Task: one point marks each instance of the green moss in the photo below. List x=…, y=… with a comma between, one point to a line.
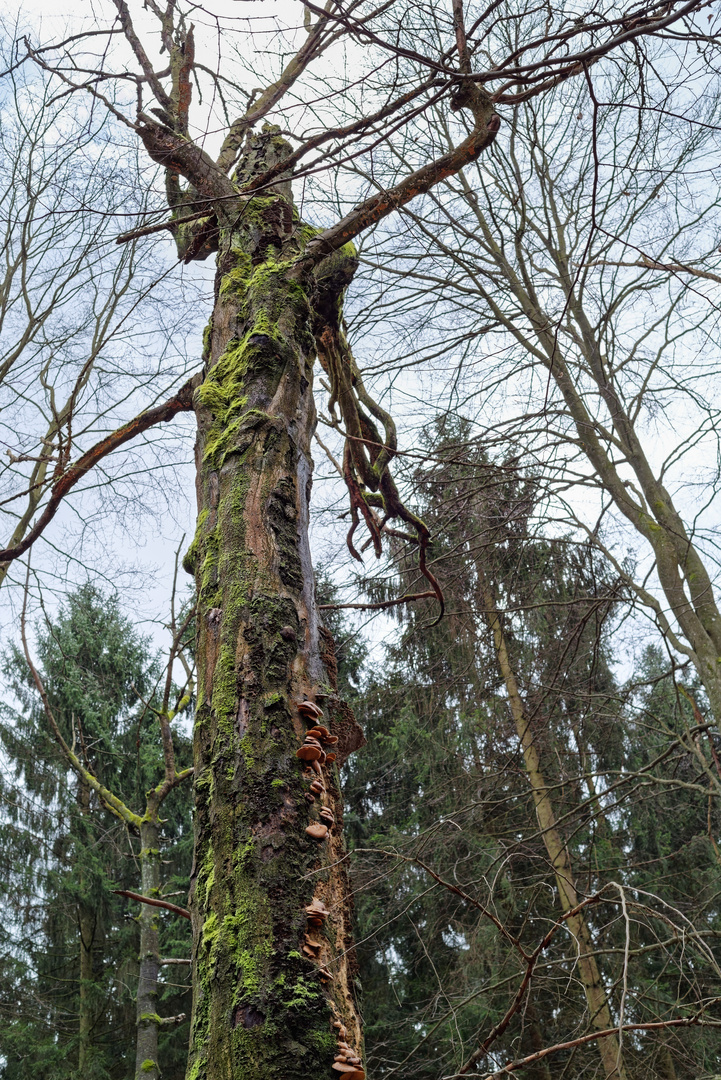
x=202, y=886
x=278, y=782
x=235, y=282
x=225, y=688
x=305, y=232
x=222, y=390
x=198, y=1066
x=246, y=749
x=245, y=935
x=323, y=1041
x=207, y=342
x=261, y=352
x=243, y=854
x=252, y=964
x=209, y=932
x=148, y=1065
x=304, y=993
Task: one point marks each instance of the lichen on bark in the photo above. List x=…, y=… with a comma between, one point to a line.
x=262, y=1008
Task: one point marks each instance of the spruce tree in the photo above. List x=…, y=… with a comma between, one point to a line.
x=70, y=953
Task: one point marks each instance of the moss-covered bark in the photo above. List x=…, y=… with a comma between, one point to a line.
x=262, y=1008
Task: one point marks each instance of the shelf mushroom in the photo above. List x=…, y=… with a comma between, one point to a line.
x=317, y=830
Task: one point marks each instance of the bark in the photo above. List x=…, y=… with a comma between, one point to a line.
x=558, y=853
x=146, y=1010
x=262, y=1007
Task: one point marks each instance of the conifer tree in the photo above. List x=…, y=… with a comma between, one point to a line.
x=463, y=813
x=70, y=951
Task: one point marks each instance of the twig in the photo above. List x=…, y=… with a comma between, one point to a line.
x=146, y=230
x=381, y=605
x=155, y=903
x=522, y=1063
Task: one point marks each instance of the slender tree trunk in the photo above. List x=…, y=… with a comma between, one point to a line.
x=87, y=918
x=86, y=923
x=558, y=854
x=146, y=1009
x=266, y=1003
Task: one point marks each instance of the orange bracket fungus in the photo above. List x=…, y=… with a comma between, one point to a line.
x=309, y=708
x=317, y=830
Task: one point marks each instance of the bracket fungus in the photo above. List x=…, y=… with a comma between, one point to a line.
x=316, y=914
x=308, y=752
x=317, y=830
x=309, y=708
x=350, y=1072
x=311, y=947
x=347, y=1061
x=317, y=910
x=319, y=731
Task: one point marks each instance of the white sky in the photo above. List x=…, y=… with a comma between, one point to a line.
x=148, y=552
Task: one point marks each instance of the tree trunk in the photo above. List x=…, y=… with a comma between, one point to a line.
x=558, y=854
x=87, y=918
x=266, y=1003
x=86, y=924
x=146, y=1008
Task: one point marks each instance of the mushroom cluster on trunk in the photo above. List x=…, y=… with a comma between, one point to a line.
x=316, y=913
x=315, y=756
x=347, y=1062
x=315, y=753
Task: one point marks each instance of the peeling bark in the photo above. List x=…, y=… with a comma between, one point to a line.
x=262, y=1007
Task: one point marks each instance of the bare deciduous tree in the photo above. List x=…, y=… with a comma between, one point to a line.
x=273, y=996
x=592, y=245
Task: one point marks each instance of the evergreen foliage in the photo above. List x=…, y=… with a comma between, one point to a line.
x=441, y=782
x=68, y=953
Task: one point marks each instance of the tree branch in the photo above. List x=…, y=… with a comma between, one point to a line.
x=381, y=205
x=180, y=402
x=522, y=1063
x=154, y=903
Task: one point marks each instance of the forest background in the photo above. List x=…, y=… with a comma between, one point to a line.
x=533, y=821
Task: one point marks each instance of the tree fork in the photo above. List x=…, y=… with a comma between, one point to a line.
x=267, y=1003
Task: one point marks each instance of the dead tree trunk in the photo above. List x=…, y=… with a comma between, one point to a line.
x=274, y=992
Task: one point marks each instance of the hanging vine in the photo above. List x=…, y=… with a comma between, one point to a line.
x=368, y=451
